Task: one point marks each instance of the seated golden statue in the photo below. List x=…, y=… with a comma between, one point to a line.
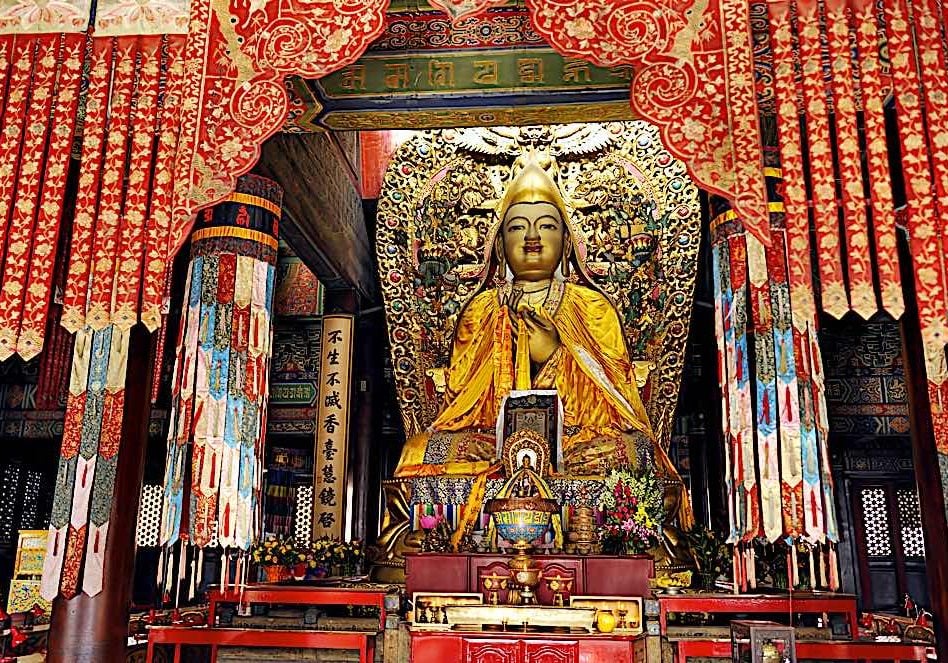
x=538, y=322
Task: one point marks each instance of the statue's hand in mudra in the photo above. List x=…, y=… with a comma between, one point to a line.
x=542, y=336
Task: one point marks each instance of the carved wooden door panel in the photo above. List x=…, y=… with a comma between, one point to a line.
x=551, y=652
x=491, y=651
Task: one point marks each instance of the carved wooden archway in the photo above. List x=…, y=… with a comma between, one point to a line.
x=694, y=80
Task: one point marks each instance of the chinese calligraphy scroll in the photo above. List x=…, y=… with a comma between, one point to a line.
x=332, y=428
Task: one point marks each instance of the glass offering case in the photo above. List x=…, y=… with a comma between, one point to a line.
x=762, y=642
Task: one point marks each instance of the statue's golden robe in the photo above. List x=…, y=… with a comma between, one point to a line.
x=604, y=419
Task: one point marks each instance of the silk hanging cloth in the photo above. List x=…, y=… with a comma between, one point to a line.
x=213, y=471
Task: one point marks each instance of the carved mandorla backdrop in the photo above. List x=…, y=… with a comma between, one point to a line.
x=633, y=203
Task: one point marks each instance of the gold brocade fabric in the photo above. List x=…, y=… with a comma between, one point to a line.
x=591, y=371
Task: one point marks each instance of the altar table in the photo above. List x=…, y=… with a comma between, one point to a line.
x=215, y=637
x=798, y=603
x=296, y=595
x=596, y=575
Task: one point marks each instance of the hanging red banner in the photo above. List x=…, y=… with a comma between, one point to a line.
x=158, y=235
x=875, y=89
x=45, y=240
x=87, y=198
x=822, y=177
x=923, y=215
x=791, y=164
x=19, y=237
x=849, y=157
x=128, y=264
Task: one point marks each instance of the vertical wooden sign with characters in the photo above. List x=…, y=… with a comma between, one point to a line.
x=332, y=427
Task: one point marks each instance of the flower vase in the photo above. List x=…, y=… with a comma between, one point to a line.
x=276, y=573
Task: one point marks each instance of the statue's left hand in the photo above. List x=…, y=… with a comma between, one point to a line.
x=544, y=339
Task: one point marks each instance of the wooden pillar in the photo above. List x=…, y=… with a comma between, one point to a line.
x=931, y=489
x=95, y=628
x=366, y=423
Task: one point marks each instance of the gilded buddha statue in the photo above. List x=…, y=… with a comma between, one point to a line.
x=538, y=322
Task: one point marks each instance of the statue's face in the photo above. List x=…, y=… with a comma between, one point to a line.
x=533, y=236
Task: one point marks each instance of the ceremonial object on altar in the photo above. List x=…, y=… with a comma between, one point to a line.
x=522, y=520
x=604, y=317
x=520, y=617
x=626, y=609
x=762, y=642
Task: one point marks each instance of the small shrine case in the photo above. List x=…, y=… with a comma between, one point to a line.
x=762, y=642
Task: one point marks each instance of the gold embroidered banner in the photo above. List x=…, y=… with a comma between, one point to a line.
x=332, y=428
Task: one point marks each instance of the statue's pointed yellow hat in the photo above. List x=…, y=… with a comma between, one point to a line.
x=532, y=185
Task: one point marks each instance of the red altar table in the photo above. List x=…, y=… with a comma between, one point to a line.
x=510, y=647
x=798, y=603
x=296, y=595
x=593, y=575
x=815, y=651
x=215, y=637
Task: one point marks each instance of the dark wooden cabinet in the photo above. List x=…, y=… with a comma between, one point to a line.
x=451, y=647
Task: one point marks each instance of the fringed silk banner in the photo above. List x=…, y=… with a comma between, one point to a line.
x=849, y=159
x=92, y=430
x=827, y=54
x=778, y=474
x=221, y=372
x=875, y=88
x=820, y=153
x=45, y=240
x=83, y=225
x=26, y=201
x=767, y=405
x=727, y=381
x=158, y=236
x=127, y=76
x=924, y=210
x=791, y=161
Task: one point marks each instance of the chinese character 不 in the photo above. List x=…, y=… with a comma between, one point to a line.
x=335, y=336
x=333, y=379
